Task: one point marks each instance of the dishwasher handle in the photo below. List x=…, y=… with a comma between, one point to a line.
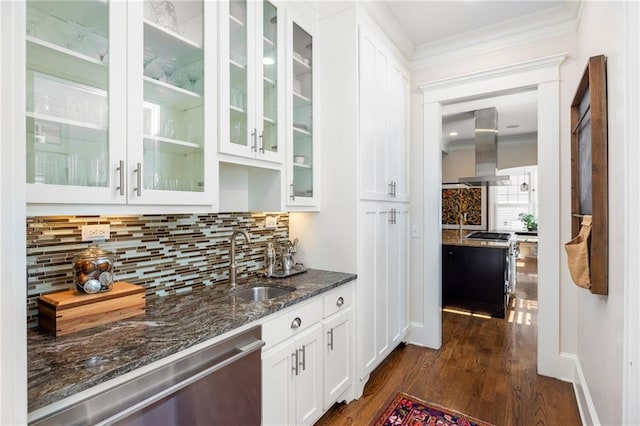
x=243, y=352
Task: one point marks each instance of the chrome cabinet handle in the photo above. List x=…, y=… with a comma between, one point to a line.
x=120, y=170
x=340, y=301
x=330, y=344
x=138, y=172
x=393, y=188
x=296, y=323
x=390, y=193
x=293, y=195
x=262, y=141
x=294, y=362
x=392, y=213
x=304, y=357
x=254, y=147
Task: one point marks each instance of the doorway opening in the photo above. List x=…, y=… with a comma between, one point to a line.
x=543, y=77
x=485, y=278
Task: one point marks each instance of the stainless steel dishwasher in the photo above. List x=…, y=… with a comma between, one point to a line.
x=218, y=385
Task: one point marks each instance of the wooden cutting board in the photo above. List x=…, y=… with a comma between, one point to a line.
x=66, y=311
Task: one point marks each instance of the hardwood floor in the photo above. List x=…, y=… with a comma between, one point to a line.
x=486, y=368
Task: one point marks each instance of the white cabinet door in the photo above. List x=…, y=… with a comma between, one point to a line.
x=252, y=67
x=278, y=385
x=171, y=97
x=292, y=380
x=398, y=280
x=398, y=128
x=309, y=380
x=337, y=355
x=75, y=88
x=302, y=160
x=383, y=281
x=383, y=86
x=372, y=285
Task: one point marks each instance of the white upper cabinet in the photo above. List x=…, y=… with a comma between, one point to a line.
x=384, y=121
x=117, y=95
x=301, y=166
x=251, y=70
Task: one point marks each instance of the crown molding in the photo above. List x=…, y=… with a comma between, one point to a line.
x=551, y=23
x=548, y=65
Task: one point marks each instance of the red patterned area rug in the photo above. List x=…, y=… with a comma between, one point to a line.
x=409, y=410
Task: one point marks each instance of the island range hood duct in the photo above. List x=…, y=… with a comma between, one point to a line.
x=486, y=144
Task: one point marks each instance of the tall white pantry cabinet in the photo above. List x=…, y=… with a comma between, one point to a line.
x=363, y=225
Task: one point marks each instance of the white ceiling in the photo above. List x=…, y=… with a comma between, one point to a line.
x=432, y=22
x=429, y=21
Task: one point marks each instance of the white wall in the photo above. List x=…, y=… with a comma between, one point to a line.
x=600, y=318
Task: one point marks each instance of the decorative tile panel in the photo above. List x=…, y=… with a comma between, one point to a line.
x=164, y=253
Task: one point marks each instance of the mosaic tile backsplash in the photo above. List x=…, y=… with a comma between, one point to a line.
x=163, y=253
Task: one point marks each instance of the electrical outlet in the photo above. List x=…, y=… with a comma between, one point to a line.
x=271, y=222
x=95, y=232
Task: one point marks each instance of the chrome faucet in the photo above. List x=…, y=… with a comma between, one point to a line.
x=232, y=255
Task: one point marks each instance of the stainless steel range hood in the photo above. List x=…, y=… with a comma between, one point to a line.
x=486, y=144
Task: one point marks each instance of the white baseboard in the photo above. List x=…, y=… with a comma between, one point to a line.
x=587, y=409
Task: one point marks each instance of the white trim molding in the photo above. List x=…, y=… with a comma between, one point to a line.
x=586, y=407
x=13, y=291
x=547, y=24
x=631, y=330
x=542, y=75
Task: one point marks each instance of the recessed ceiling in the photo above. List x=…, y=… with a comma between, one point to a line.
x=517, y=118
x=430, y=21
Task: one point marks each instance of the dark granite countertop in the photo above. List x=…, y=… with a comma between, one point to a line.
x=64, y=366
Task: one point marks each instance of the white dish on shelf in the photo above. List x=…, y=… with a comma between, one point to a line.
x=298, y=159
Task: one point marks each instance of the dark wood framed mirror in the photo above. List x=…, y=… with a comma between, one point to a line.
x=589, y=174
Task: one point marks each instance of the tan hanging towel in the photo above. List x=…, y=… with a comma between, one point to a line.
x=578, y=254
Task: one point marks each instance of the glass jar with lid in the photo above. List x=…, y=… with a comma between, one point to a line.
x=93, y=270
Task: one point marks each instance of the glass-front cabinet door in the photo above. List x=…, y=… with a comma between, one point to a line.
x=301, y=158
x=251, y=107
x=169, y=84
x=72, y=80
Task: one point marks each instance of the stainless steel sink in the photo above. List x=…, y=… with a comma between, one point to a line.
x=261, y=293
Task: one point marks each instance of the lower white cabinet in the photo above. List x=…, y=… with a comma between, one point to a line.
x=337, y=355
x=292, y=365
x=307, y=358
x=291, y=380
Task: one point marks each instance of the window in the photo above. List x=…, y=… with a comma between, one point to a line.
x=510, y=200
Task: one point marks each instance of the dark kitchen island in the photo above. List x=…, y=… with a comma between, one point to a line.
x=475, y=276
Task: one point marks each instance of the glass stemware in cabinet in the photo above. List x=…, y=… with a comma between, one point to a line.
x=270, y=78
x=173, y=109
x=238, y=83
x=302, y=93
x=67, y=93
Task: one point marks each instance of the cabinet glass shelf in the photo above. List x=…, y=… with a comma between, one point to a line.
x=300, y=100
x=65, y=63
x=170, y=95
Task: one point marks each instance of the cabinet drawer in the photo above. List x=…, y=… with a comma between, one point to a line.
x=291, y=322
x=337, y=300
